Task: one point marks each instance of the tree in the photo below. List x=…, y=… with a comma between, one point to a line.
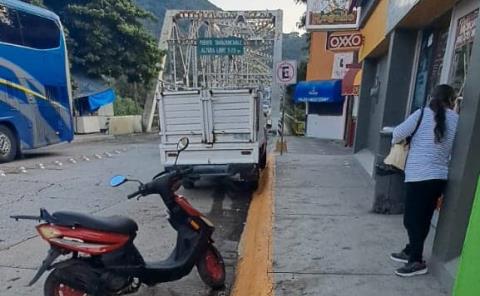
x=107, y=39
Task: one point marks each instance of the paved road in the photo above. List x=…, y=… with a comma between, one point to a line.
x=61, y=178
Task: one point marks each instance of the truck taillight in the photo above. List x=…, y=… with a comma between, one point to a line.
x=48, y=232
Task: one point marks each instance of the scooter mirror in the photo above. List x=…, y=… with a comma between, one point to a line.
x=182, y=144
x=117, y=181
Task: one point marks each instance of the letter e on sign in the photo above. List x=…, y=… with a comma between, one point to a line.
x=286, y=72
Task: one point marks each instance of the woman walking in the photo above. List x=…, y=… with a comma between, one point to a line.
x=426, y=172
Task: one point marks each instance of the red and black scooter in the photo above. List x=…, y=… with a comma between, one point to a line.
x=103, y=259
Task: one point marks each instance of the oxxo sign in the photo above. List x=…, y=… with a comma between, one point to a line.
x=344, y=41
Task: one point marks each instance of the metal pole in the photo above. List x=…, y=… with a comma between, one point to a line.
x=283, y=121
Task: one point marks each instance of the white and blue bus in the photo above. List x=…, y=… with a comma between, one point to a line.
x=35, y=90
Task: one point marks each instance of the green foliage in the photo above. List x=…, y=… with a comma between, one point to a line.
x=126, y=106
x=107, y=38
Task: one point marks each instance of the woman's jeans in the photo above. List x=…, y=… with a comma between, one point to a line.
x=421, y=202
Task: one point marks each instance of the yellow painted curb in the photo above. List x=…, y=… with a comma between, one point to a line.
x=253, y=275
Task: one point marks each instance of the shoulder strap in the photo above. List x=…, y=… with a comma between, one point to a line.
x=419, y=121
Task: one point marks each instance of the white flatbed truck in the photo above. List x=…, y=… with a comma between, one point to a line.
x=226, y=129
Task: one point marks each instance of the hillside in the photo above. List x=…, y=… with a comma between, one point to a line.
x=158, y=8
x=295, y=47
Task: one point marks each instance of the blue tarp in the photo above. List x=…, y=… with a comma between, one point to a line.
x=92, y=102
x=95, y=101
x=322, y=91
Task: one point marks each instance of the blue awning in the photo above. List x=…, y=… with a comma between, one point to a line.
x=322, y=91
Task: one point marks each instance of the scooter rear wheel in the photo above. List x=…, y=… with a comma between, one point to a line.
x=212, y=268
x=54, y=287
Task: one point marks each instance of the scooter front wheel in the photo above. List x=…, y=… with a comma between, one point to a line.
x=212, y=268
x=54, y=287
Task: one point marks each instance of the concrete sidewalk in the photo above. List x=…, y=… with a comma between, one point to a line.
x=327, y=242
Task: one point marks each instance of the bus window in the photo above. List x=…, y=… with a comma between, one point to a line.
x=9, y=26
x=38, y=32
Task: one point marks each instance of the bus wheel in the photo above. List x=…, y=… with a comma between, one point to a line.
x=8, y=144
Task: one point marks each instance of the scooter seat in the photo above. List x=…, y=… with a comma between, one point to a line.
x=116, y=224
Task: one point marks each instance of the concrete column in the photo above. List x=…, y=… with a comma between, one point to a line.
x=400, y=64
x=363, y=121
x=464, y=172
x=389, y=190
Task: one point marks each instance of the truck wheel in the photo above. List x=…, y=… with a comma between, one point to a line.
x=263, y=160
x=252, y=180
x=8, y=144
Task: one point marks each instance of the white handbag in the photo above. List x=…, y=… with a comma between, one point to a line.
x=399, y=152
x=398, y=155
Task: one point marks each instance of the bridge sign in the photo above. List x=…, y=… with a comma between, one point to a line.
x=221, y=46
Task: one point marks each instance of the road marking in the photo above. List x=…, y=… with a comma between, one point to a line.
x=255, y=265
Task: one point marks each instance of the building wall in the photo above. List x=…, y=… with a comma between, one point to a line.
x=374, y=32
x=321, y=60
x=377, y=103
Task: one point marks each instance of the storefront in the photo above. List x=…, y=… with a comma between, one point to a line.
x=334, y=48
x=438, y=36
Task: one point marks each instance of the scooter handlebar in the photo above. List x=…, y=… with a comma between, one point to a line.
x=161, y=184
x=135, y=194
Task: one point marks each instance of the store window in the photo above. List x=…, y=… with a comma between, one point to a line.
x=430, y=64
x=421, y=82
x=463, y=50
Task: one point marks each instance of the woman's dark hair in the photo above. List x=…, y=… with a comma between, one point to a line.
x=442, y=98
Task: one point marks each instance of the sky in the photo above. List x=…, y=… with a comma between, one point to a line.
x=291, y=11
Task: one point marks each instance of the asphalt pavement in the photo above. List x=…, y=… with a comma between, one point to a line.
x=75, y=177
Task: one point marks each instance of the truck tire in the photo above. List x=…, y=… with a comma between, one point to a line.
x=263, y=160
x=252, y=180
x=8, y=144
